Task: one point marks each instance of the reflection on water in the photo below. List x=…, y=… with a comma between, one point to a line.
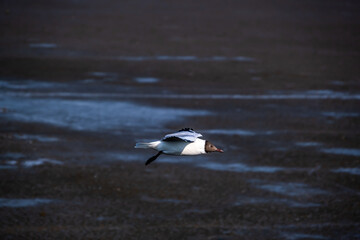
x=342, y=151
x=17, y=203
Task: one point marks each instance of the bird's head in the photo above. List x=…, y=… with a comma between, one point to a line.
x=209, y=147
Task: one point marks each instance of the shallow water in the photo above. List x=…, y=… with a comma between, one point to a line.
x=18, y=203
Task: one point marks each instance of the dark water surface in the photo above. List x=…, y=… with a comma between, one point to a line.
x=276, y=86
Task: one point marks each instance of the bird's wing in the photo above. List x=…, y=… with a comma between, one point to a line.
x=185, y=134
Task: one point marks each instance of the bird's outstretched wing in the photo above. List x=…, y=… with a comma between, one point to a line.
x=185, y=134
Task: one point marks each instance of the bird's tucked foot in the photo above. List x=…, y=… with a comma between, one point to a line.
x=153, y=158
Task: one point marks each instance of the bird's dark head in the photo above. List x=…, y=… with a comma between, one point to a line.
x=209, y=147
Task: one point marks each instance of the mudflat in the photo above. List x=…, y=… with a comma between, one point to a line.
x=276, y=85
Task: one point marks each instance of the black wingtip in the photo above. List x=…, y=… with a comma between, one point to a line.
x=186, y=129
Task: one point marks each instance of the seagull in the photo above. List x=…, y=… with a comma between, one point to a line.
x=184, y=142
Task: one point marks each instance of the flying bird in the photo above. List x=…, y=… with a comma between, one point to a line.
x=184, y=142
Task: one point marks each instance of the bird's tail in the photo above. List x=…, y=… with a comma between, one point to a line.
x=147, y=144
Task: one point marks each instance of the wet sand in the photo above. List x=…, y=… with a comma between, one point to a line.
x=275, y=85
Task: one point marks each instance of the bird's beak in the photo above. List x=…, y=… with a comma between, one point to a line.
x=219, y=150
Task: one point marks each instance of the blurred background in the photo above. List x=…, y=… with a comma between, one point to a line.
x=274, y=83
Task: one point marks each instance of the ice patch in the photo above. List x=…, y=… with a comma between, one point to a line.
x=42, y=45
x=176, y=159
x=308, y=144
x=239, y=167
x=164, y=200
x=35, y=137
x=184, y=58
x=6, y=167
x=239, y=132
x=354, y=171
x=320, y=92
x=41, y=161
x=103, y=74
x=27, y=84
x=338, y=115
x=338, y=83
x=342, y=151
x=291, y=189
x=146, y=80
x=279, y=201
x=11, y=155
x=17, y=203
x=127, y=157
x=256, y=78
x=93, y=115
x=11, y=162
x=297, y=236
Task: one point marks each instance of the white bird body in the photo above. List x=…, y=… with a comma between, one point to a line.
x=178, y=147
x=184, y=142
